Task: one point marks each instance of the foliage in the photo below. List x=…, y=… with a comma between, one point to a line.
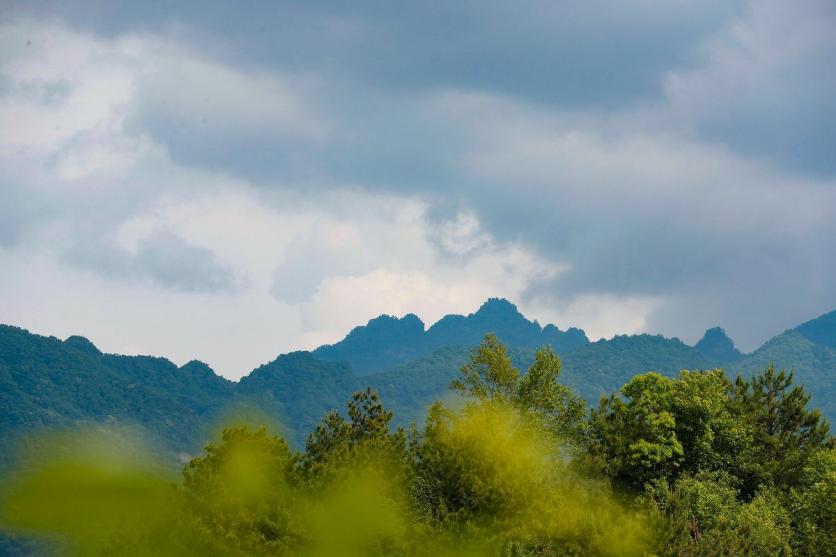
x=785, y=433
x=484, y=479
x=635, y=439
x=811, y=505
x=692, y=465
x=729, y=468
x=490, y=472
x=490, y=376
x=47, y=383
x=702, y=515
x=812, y=365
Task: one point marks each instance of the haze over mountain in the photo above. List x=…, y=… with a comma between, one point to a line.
x=45, y=382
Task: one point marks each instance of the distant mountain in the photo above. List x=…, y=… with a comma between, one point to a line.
x=718, y=347
x=809, y=351
x=45, y=382
x=386, y=341
x=380, y=344
x=296, y=390
x=601, y=367
x=821, y=330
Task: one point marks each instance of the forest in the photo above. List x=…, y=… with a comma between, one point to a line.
x=512, y=463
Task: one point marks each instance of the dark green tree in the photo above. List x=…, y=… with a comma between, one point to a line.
x=337, y=444
x=785, y=432
x=812, y=507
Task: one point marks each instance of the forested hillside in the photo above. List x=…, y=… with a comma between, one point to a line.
x=45, y=382
x=697, y=465
x=814, y=366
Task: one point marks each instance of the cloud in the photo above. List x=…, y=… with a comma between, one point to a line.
x=78, y=167
x=607, y=54
x=765, y=86
x=650, y=213
x=163, y=258
x=255, y=124
x=432, y=291
x=664, y=168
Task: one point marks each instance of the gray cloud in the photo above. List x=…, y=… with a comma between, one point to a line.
x=766, y=86
x=583, y=54
x=677, y=152
x=636, y=215
x=163, y=258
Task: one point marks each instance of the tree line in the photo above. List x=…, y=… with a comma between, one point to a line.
x=514, y=464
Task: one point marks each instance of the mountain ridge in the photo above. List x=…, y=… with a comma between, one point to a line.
x=47, y=382
x=388, y=341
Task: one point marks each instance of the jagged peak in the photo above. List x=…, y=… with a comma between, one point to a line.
x=386, y=319
x=717, y=344
x=715, y=334
x=497, y=306
x=410, y=323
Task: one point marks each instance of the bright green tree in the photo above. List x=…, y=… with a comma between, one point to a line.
x=634, y=432
x=240, y=492
x=812, y=505
x=491, y=376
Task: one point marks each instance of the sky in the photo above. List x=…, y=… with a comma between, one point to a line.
x=229, y=181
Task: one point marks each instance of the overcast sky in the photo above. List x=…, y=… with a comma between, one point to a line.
x=234, y=181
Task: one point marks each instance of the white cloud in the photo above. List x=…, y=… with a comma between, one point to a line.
x=135, y=164
x=599, y=315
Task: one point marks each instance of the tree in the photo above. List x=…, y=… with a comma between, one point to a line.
x=563, y=411
x=490, y=376
x=240, y=491
x=785, y=432
x=634, y=432
x=369, y=419
x=702, y=515
x=337, y=444
x=712, y=436
x=812, y=507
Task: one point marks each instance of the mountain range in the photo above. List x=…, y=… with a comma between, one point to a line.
x=49, y=383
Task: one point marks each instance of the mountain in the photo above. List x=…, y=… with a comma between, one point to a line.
x=387, y=341
x=601, y=367
x=49, y=383
x=296, y=390
x=809, y=350
x=380, y=344
x=821, y=330
x=716, y=345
